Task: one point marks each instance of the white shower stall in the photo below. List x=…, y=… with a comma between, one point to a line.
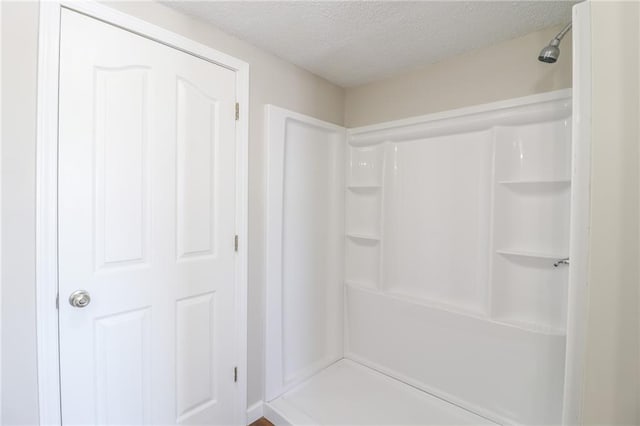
x=418, y=271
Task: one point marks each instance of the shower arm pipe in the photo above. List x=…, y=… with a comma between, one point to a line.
x=558, y=38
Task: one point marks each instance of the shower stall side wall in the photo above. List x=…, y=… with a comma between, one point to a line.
x=455, y=223
x=305, y=231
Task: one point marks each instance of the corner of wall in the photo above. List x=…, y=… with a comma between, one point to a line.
x=612, y=371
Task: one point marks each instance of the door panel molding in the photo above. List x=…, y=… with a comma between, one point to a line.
x=47, y=193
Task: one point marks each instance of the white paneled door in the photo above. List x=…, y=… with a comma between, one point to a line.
x=146, y=230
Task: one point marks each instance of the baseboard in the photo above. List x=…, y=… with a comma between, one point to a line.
x=255, y=411
x=275, y=417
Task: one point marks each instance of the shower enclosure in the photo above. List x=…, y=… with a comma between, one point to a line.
x=418, y=270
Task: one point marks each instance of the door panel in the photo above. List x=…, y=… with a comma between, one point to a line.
x=123, y=377
x=196, y=353
x=146, y=227
x=121, y=126
x=197, y=140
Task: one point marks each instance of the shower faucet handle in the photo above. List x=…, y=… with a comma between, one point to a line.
x=564, y=261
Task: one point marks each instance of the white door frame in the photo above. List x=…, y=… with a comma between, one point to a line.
x=47, y=192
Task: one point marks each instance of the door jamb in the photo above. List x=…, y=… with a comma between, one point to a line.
x=49, y=396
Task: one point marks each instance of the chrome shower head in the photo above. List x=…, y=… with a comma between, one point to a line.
x=550, y=53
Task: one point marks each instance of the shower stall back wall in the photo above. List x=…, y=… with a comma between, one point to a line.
x=442, y=253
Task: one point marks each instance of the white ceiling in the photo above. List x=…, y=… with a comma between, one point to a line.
x=355, y=42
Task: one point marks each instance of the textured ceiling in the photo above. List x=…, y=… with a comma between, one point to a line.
x=355, y=42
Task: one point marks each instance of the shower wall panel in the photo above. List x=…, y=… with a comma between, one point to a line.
x=437, y=209
x=305, y=248
x=510, y=375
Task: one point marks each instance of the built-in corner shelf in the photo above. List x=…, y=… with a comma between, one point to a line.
x=524, y=253
x=361, y=285
x=363, y=237
x=536, y=182
x=364, y=187
x=533, y=327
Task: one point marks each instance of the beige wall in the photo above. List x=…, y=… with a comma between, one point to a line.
x=506, y=70
x=19, y=62
x=612, y=354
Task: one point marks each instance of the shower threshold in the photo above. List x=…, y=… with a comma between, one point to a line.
x=348, y=393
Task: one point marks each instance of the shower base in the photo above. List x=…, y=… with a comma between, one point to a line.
x=348, y=393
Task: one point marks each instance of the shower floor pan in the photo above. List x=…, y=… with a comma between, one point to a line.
x=348, y=393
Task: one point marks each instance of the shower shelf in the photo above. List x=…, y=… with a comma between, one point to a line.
x=363, y=236
x=524, y=253
x=530, y=326
x=536, y=182
x=364, y=187
x=362, y=285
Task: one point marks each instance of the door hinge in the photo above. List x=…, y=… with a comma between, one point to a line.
x=235, y=374
x=237, y=111
x=235, y=243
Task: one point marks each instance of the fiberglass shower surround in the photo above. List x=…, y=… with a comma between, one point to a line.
x=423, y=249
